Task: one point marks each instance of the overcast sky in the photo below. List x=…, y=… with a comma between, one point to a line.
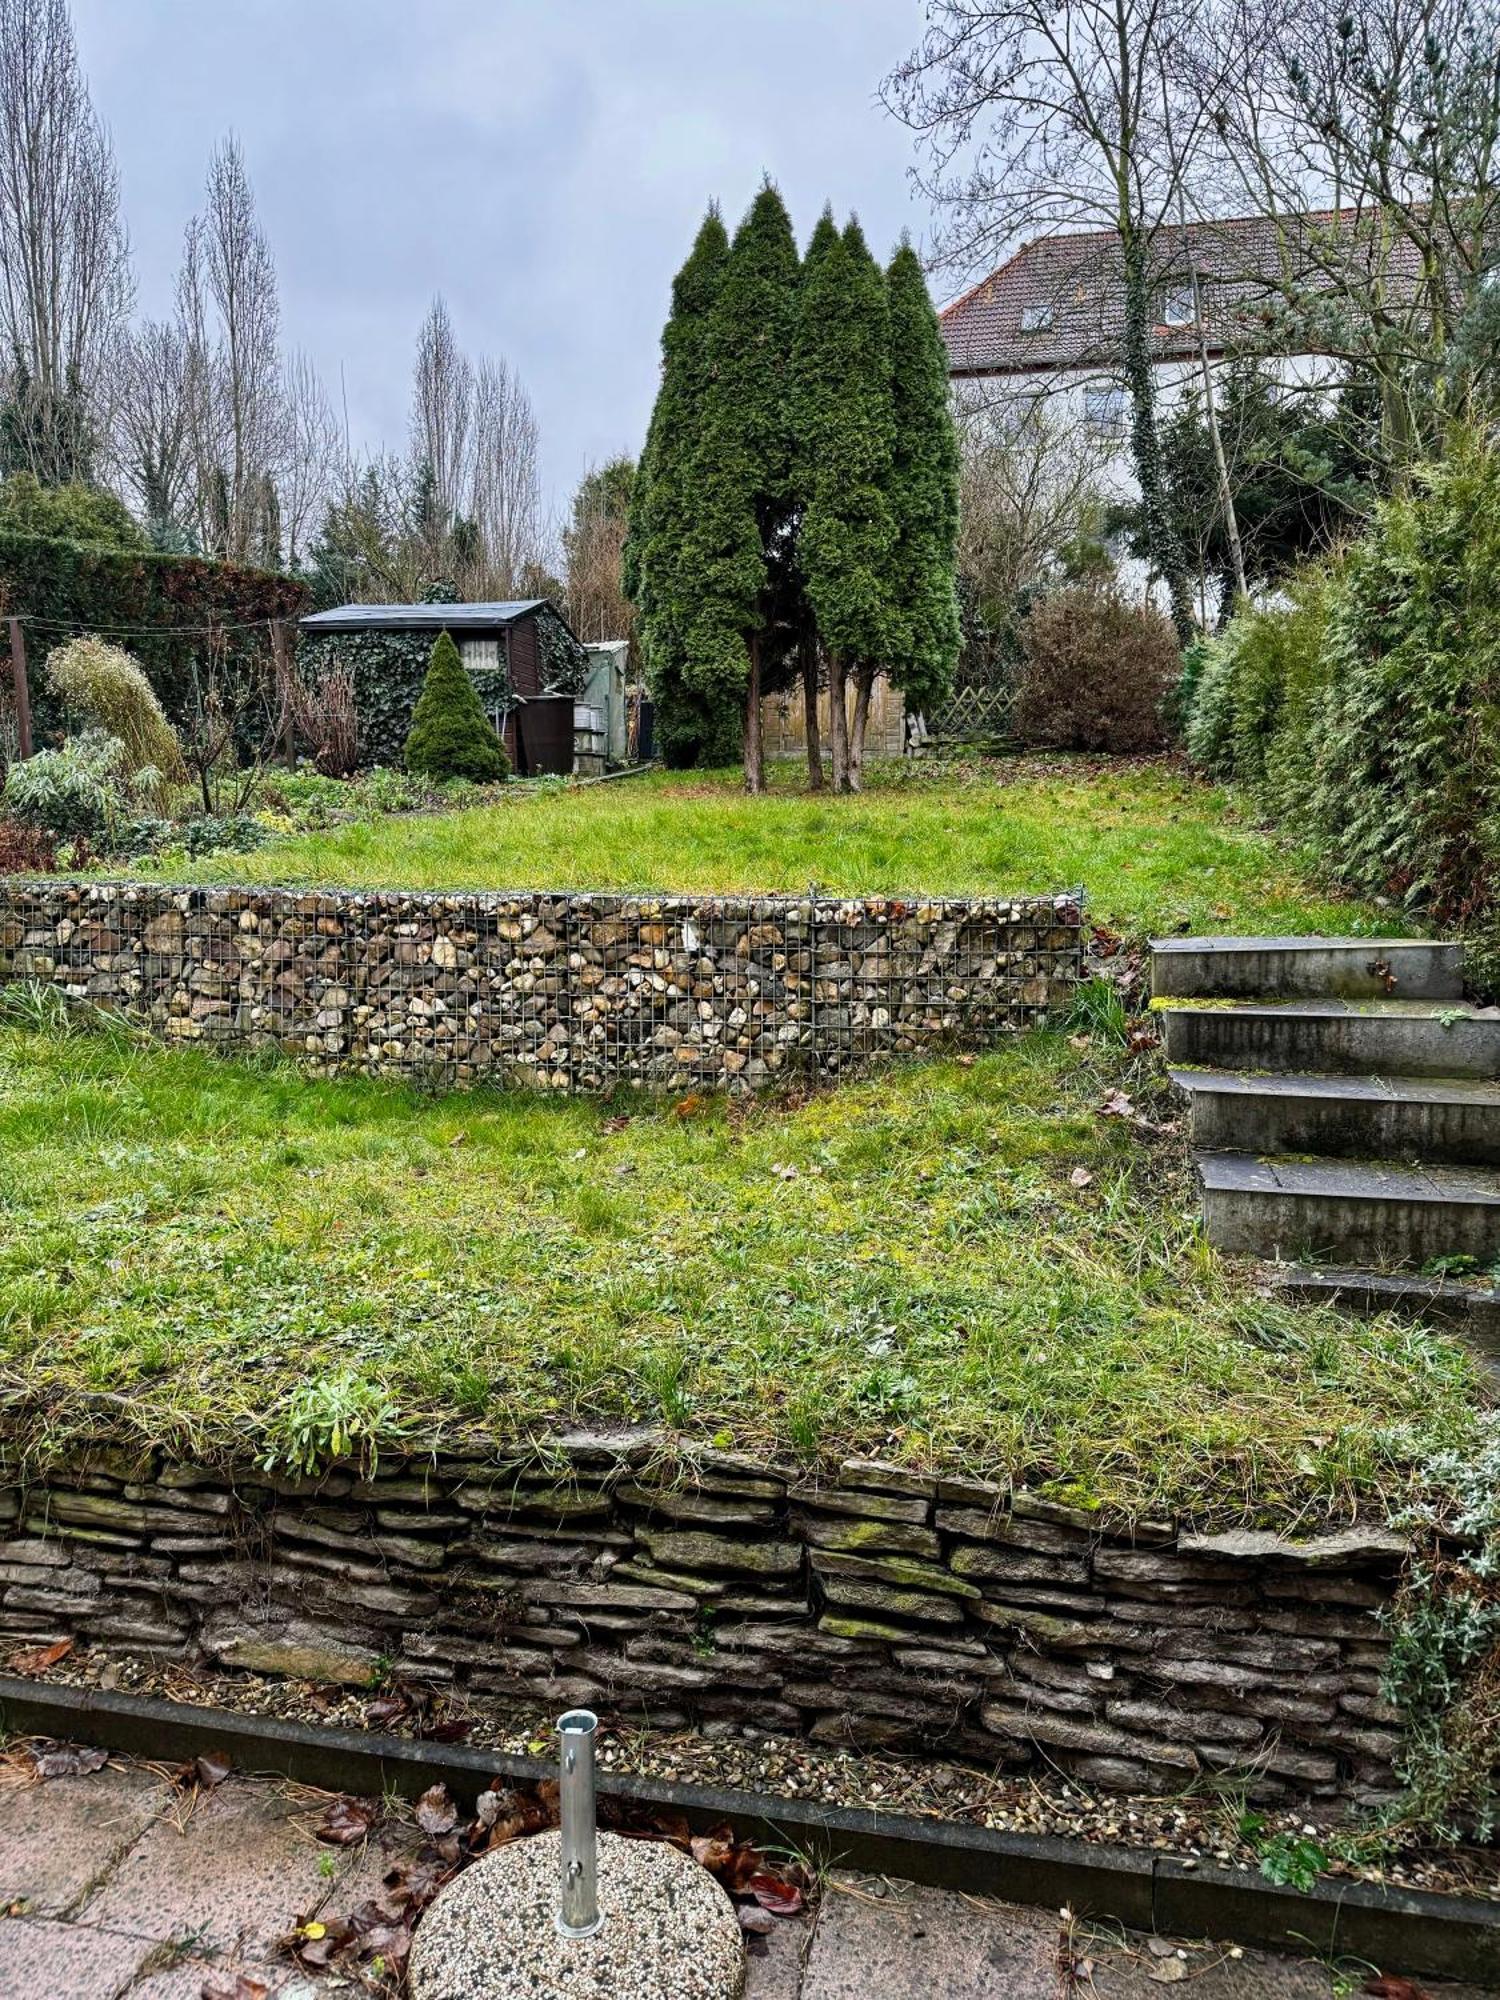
x=542, y=163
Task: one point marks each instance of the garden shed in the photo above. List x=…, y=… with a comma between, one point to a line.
x=517, y=652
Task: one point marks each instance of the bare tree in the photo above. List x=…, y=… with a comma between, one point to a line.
x=311, y=450
x=65, y=286
x=442, y=412
x=231, y=316
x=594, y=546
x=1030, y=481
x=151, y=446
x=1370, y=133
x=505, y=502
x=1036, y=116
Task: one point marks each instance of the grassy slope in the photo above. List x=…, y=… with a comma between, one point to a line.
x=215, y=1255
x=1154, y=849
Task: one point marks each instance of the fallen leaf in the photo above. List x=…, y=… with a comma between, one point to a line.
x=1168, y=1972
x=242, y=1988
x=453, y=1731
x=1081, y=1178
x=436, y=1812
x=37, y=1659
x=689, y=1106
x=348, y=1820
x=68, y=1760
x=776, y=1894
x=387, y=1708
x=212, y=1768
x=1391, y=1986
x=1117, y=1105
x=458, y=1139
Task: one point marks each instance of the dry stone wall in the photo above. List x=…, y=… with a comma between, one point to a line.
x=876, y=1608
x=563, y=992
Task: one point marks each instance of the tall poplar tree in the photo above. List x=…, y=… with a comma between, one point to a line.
x=845, y=432
x=691, y=726
x=738, y=545
x=923, y=492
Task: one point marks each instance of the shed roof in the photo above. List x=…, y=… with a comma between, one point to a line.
x=421, y=617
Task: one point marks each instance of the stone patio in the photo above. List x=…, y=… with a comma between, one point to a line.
x=115, y=1884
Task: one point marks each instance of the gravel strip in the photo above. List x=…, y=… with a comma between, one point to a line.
x=1191, y=1827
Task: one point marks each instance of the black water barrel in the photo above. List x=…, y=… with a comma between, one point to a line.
x=544, y=737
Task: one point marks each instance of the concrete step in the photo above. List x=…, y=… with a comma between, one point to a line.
x=1336, y=1212
x=1454, y=1119
x=1469, y=1308
x=1369, y=1037
x=1290, y=968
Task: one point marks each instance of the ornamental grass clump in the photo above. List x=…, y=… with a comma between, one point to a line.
x=450, y=735
x=104, y=689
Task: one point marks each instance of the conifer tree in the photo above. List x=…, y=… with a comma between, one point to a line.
x=809, y=654
x=450, y=735
x=691, y=727
x=923, y=493
x=738, y=544
x=845, y=425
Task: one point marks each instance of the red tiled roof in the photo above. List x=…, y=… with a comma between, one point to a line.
x=1057, y=303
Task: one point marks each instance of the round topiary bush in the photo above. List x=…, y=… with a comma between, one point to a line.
x=450, y=735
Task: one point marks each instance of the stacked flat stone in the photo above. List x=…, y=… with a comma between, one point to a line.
x=558, y=992
x=880, y=1607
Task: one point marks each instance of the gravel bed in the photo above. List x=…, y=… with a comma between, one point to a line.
x=1192, y=1826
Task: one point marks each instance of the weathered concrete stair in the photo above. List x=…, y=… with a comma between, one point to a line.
x=1345, y=1099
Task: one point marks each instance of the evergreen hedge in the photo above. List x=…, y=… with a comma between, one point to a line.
x=1367, y=715
x=73, y=588
x=451, y=736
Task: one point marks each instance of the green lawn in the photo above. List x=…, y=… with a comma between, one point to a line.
x=1153, y=848
x=231, y=1259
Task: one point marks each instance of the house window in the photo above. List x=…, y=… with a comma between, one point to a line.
x=1104, y=409
x=1179, y=307
x=1036, y=319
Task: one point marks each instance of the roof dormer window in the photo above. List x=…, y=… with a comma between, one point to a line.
x=1036, y=318
x=1179, y=306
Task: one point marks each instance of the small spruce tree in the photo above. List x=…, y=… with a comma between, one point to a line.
x=450, y=735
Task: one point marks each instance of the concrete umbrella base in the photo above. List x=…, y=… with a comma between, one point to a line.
x=669, y=1931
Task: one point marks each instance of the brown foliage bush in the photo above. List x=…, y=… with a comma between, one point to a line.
x=1095, y=671
x=25, y=850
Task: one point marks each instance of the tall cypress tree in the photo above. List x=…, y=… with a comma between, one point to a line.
x=809, y=654
x=691, y=727
x=736, y=548
x=845, y=430
x=923, y=492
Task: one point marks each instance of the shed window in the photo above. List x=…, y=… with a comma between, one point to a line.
x=481, y=654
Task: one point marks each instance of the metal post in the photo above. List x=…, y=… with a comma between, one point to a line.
x=19, y=688
x=578, y=1905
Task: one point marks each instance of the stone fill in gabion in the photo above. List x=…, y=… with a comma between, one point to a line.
x=669, y=1931
x=558, y=992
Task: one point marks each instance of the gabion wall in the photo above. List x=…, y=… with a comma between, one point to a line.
x=561, y=992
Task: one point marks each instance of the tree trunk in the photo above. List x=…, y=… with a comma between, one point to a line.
x=755, y=758
x=838, y=722
x=864, y=686
x=810, y=716
x=1161, y=530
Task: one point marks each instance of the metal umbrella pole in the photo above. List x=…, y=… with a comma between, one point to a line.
x=578, y=1914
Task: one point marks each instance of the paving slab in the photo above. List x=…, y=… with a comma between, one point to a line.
x=185, y=1980
x=892, y=1941
x=228, y=1876
x=773, y=1963
x=60, y=1837
x=44, y=1960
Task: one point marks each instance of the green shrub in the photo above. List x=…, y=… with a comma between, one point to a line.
x=1095, y=672
x=105, y=688
x=214, y=833
x=450, y=734
x=69, y=792
x=1366, y=713
x=77, y=512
